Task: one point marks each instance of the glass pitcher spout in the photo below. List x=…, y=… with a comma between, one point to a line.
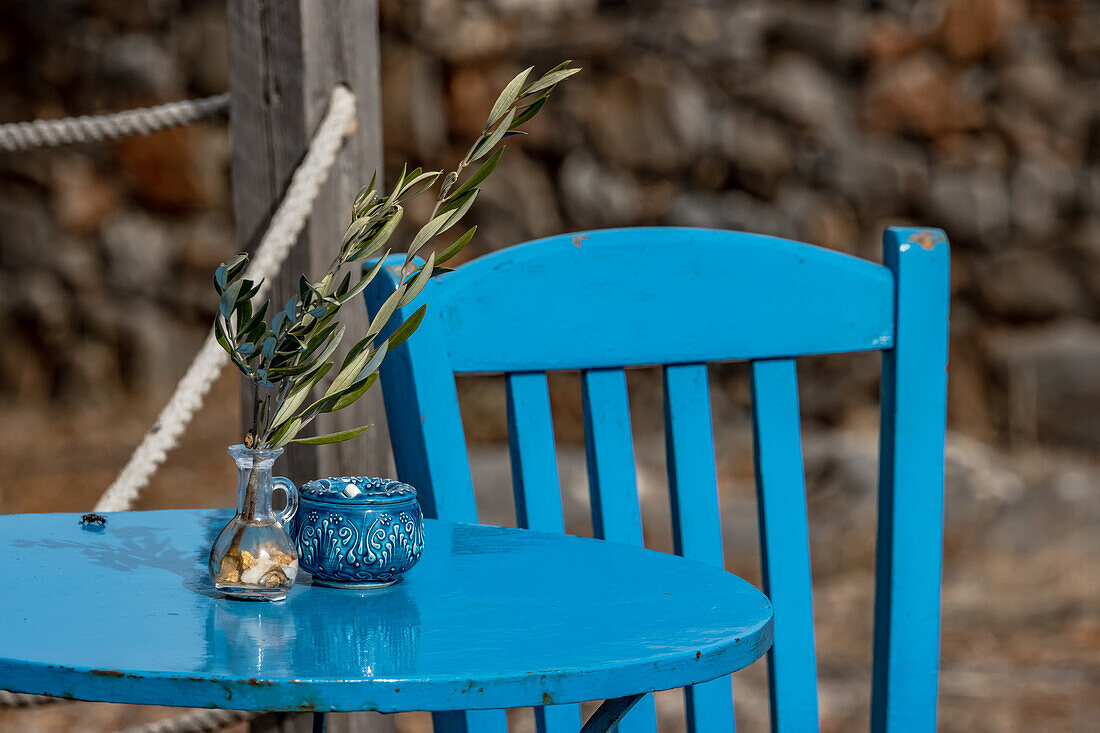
x=254, y=557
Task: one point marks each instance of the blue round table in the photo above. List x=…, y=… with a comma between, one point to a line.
x=490, y=618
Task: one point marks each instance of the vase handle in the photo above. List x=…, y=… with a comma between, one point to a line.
x=291, y=491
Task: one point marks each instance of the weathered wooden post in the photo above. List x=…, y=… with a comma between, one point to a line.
x=285, y=56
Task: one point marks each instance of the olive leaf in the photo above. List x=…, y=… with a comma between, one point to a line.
x=332, y=437
x=508, y=96
x=482, y=173
x=488, y=143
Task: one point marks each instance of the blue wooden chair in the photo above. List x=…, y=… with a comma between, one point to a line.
x=602, y=300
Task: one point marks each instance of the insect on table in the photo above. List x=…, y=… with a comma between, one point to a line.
x=93, y=521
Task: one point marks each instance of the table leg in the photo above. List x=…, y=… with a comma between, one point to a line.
x=609, y=713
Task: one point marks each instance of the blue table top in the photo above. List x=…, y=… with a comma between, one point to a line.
x=490, y=618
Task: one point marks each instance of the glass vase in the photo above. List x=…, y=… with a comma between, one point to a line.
x=253, y=557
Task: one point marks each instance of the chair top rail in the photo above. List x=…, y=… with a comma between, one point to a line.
x=730, y=296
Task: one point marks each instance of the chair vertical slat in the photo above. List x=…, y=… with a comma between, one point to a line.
x=696, y=516
x=537, y=491
x=609, y=450
x=531, y=447
x=692, y=481
x=785, y=544
x=910, y=521
x=422, y=407
x=613, y=485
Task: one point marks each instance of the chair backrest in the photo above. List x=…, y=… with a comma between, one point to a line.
x=599, y=301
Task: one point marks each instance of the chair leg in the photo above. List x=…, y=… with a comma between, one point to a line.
x=607, y=716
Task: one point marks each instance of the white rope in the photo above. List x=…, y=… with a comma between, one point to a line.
x=196, y=722
x=86, y=129
x=19, y=700
x=281, y=234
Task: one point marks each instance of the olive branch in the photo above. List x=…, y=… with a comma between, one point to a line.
x=286, y=354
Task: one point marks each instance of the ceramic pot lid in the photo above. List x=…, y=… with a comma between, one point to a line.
x=357, y=490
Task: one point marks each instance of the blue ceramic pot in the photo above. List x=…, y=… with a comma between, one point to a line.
x=357, y=532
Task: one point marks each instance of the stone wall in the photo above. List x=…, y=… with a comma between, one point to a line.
x=822, y=121
x=106, y=250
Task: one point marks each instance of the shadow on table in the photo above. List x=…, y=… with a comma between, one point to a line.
x=131, y=548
